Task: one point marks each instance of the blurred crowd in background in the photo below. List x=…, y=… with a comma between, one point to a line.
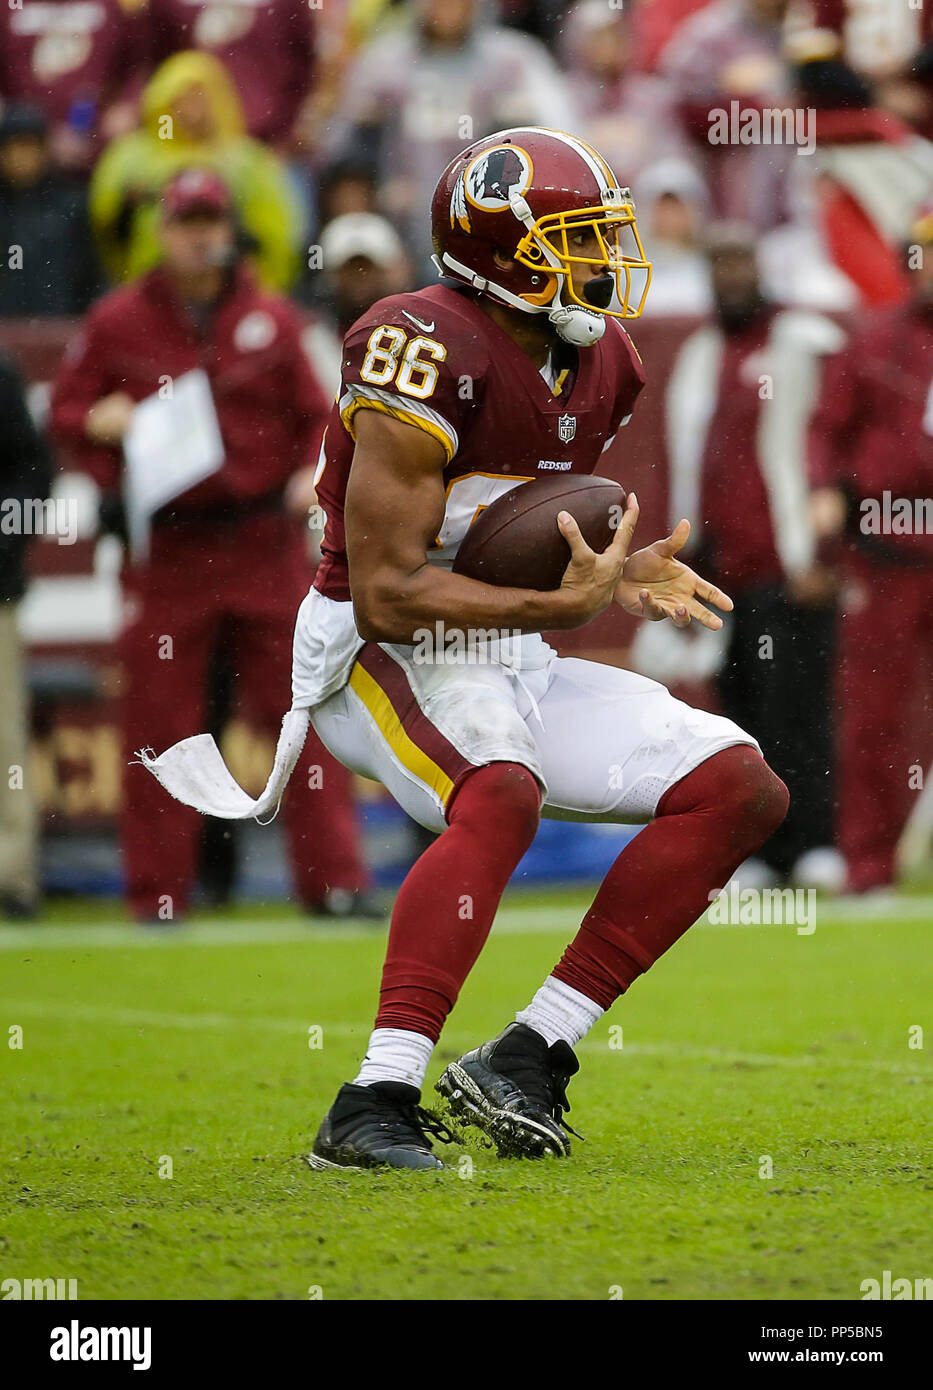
x=325, y=126
x=313, y=111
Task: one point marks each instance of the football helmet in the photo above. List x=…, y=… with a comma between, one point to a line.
x=544, y=201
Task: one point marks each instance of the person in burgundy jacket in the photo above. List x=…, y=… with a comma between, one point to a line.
x=872, y=469
x=268, y=46
x=733, y=51
x=738, y=405
x=81, y=64
x=227, y=562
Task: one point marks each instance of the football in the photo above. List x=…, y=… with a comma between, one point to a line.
x=516, y=543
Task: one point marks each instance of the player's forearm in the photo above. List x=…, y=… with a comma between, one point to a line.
x=394, y=609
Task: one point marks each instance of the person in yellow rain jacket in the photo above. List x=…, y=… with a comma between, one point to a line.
x=191, y=116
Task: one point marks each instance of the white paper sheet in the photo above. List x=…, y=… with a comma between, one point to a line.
x=172, y=443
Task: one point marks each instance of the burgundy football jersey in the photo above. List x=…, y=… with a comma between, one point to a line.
x=435, y=360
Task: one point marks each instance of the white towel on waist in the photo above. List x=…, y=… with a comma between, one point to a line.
x=194, y=772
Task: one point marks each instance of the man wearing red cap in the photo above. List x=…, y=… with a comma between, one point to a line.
x=873, y=471
x=226, y=561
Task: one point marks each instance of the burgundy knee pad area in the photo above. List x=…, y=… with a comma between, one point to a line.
x=447, y=903
x=706, y=825
x=505, y=795
x=737, y=786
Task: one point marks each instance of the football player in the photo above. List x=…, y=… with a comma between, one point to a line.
x=515, y=365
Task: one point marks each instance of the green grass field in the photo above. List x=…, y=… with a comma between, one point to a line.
x=745, y=1043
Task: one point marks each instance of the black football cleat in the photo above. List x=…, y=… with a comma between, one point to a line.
x=378, y=1126
x=514, y=1089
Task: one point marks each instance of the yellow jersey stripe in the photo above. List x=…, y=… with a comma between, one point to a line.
x=396, y=413
x=389, y=725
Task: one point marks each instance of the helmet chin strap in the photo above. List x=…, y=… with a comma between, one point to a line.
x=576, y=325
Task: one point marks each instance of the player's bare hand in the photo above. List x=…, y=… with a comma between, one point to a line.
x=828, y=508
x=656, y=585
x=592, y=577
x=108, y=419
x=816, y=587
x=300, y=492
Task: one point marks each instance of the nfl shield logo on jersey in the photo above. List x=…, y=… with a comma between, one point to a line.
x=567, y=428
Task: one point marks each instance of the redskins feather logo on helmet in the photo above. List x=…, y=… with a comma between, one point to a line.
x=533, y=197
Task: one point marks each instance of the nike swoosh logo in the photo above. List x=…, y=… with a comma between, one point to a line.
x=425, y=327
